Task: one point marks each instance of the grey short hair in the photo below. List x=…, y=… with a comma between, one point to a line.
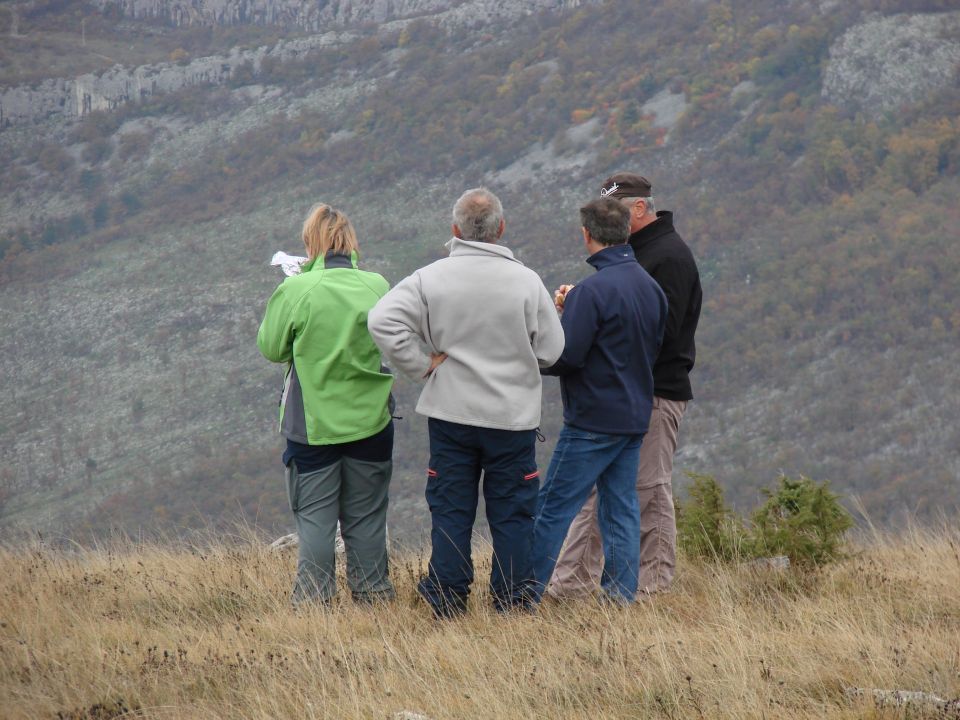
x=629, y=201
x=607, y=221
x=478, y=213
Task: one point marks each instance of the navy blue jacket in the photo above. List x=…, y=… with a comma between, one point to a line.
x=613, y=323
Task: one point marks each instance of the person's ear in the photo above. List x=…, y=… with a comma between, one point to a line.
x=456, y=231
x=503, y=226
x=586, y=237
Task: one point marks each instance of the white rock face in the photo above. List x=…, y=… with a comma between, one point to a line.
x=76, y=97
x=886, y=62
x=667, y=108
x=747, y=87
x=120, y=85
x=220, y=12
x=542, y=159
x=317, y=14
x=24, y=103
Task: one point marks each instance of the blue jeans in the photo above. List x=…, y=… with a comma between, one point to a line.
x=458, y=454
x=581, y=460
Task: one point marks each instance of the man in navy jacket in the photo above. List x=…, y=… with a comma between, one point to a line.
x=663, y=254
x=613, y=324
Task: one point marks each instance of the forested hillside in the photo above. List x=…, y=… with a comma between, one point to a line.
x=809, y=150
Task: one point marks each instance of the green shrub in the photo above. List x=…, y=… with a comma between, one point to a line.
x=706, y=526
x=801, y=519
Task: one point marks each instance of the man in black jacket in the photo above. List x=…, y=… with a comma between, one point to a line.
x=664, y=255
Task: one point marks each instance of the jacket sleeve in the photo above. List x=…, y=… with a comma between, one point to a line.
x=673, y=277
x=396, y=325
x=547, y=338
x=580, y=321
x=278, y=329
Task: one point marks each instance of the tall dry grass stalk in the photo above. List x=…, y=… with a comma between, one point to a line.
x=187, y=633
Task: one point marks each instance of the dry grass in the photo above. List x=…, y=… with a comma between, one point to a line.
x=148, y=631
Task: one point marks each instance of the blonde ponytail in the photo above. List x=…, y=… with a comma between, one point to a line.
x=326, y=230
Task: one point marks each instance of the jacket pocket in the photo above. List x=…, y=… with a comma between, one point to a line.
x=525, y=494
x=432, y=492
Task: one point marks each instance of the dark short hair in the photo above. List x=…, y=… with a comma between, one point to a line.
x=607, y=220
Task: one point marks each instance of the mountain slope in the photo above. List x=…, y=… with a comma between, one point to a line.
x=133, y=244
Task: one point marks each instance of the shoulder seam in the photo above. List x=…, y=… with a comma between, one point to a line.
x=369, y=287
x=304, y=294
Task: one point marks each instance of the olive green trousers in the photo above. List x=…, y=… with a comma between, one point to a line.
x=353, y=492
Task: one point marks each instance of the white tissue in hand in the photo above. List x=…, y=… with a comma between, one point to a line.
x=290, y=263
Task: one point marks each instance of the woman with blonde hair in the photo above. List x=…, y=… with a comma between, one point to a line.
x=334, y=411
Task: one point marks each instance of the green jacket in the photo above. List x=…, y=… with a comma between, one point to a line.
x=335, y=390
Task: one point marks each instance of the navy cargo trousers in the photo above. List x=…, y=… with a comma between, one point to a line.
x=507, y=459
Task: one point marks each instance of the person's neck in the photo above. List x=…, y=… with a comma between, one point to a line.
x=597, y=247
x=643, y=222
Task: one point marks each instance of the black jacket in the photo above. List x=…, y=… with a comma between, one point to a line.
x=613, y=322
x=663, y=254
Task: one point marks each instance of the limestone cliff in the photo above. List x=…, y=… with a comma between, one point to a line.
x=885, y=62
x=315, y=15
x=75, y=97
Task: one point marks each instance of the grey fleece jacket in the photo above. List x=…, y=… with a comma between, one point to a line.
x=495, y=321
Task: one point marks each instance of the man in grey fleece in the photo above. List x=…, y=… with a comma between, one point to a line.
x=477, y=326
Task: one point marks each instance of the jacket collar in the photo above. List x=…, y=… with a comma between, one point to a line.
x=661, y=226
x=332, y=261
x=459, y=247
x=613, y=255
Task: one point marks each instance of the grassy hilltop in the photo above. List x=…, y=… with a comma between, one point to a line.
x=133, y=630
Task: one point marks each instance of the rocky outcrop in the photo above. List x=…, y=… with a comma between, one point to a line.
x=223, y=12
x=886, y=62
x=119, y=85
x=76, y=97
x=666, y=108
x=315, y=15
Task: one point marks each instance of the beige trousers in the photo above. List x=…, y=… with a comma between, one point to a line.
x=580, y=565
